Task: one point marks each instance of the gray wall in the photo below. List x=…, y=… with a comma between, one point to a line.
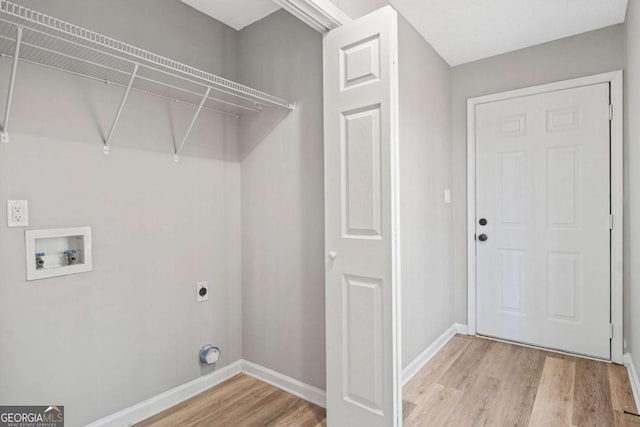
x=632, y=186
x=101, y=341
x=425, y=153
x=585, y=54
x=283, y=201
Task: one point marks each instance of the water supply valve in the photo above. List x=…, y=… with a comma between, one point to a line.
x=39, y=260
x=72, y=256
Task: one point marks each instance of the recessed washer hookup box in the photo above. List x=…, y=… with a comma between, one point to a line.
x=58, y=252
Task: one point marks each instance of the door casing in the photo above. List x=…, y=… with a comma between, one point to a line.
x=614, y=79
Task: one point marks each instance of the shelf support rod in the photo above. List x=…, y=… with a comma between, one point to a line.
x=4, y=131
x=122, y=103
x=193, y=122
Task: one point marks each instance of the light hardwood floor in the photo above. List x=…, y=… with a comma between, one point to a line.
x=479, y=382
x=241, y=401
x=470, y=382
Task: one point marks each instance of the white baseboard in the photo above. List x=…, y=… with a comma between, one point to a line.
x=283, y=382
x=461, y=328
x=176, y=395
x=633, y=378
x=418, y=363
x=169, y=398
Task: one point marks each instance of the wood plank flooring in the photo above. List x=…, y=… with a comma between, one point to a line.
x=470, y=382
x=241, y=401
x=479, y=382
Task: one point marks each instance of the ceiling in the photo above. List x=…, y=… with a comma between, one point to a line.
x=235, y=13
x=466, y=30
x=462, y=30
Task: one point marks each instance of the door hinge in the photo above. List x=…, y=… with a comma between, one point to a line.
x=610, y=330
x=610, y=222
x=610, y=112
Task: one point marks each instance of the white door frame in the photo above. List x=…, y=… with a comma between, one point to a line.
x=614, y=78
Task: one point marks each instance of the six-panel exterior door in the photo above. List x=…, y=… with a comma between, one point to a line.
x=543, y=220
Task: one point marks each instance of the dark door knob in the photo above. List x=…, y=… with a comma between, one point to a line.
x=483, y=221
x=482, y=237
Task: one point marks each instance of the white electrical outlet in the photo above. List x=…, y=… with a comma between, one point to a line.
x=17, y=213
x=202, y=291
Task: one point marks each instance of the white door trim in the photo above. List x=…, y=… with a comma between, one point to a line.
x=614, y=78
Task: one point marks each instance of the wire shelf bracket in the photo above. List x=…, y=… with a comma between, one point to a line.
x=120, y=108
x=176, y=157
x=4, y=130
x=29, y=36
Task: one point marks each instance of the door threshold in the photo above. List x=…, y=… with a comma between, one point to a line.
x=537, y=347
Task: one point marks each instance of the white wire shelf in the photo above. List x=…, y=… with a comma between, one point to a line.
x=33, y=37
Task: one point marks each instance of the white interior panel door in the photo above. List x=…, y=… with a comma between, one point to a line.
x=360, y=113
x=543, y=187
